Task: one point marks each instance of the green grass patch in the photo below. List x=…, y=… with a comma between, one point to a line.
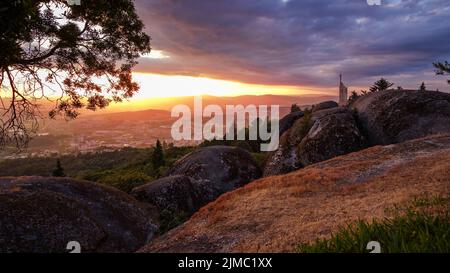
x=413, y=231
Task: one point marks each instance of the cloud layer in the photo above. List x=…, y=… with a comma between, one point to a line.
x=299, y=42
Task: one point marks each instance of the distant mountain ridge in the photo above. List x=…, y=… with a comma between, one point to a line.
x=160, y=108
x=285, y=101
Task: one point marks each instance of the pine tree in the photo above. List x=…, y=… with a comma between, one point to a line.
x=422, y=87
x=59, y=171
x=353, y=97
x=442, y=68
x=157, y=156
x=66, y=50
x=381, y=85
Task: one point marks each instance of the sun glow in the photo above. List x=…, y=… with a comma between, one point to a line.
x=163, y=86
x=162, y=91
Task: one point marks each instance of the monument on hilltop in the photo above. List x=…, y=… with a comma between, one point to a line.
x=343, y=92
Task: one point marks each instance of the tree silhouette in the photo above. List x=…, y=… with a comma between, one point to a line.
x=59, y=171
x=381, y=85
x=353, y=97
x=77, y=56
x=158, y=156
x=442, y=68
x=295, y=108
x=422, y=87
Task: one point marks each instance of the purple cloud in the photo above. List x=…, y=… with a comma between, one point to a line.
x=299, y=42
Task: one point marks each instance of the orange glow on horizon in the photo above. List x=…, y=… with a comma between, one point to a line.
x=165, y=86
x=157, y=91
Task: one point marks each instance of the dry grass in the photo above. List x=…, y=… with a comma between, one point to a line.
x=276, y=213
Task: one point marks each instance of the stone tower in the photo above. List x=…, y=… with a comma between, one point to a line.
x=343, y=92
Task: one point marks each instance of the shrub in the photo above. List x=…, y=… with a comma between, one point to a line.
x=170, y=219
x=124, y=180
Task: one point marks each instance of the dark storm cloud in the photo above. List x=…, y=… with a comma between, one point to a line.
x=297, y=42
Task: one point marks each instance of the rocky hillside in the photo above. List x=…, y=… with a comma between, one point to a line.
x=276, y=213
x=42, y=214
x=385, y=117
x=197, y=179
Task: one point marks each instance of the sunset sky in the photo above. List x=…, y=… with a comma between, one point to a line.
x=233, y=47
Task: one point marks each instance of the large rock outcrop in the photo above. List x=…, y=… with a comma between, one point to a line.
x=276, y=213
x=217, y=169
x=316, y=136
x=176, y=193
x=287, y=121
x=42, y=214
x=325, y=105
x=334, y=132
x=394, y=116
x=197, y=179
x=384, y=117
